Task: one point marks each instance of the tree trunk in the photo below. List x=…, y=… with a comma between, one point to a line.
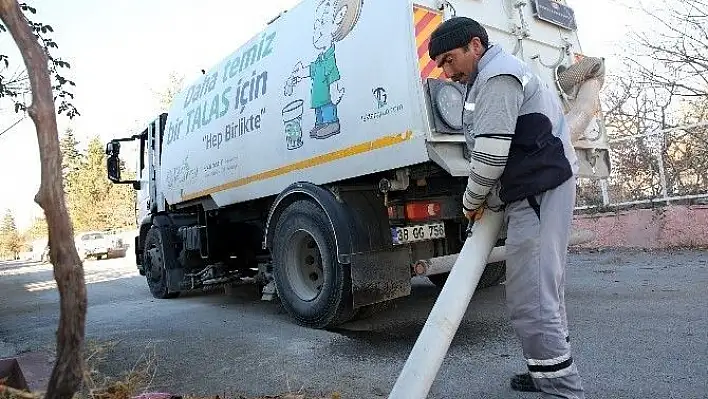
x=68, y=270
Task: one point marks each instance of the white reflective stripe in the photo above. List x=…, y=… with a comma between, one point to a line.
x=553, y=374
x=548, y=362
x=470, y=106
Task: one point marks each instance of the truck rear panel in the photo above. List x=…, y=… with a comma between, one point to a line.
x=540, y=32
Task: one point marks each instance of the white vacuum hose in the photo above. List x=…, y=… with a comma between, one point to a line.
x=427, y=355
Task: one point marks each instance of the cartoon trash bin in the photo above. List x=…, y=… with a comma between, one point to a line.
x=292, y=118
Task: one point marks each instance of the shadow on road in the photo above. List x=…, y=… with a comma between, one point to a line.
x=383, y=334
x=16, y=268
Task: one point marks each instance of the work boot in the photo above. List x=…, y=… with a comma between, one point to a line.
x=523, y=383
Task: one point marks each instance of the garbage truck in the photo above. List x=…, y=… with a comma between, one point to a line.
x=325, y=159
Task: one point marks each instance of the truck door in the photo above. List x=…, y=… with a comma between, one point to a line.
x=153, y=197
x=142, y=201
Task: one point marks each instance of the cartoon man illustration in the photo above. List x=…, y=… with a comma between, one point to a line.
x=334, y=19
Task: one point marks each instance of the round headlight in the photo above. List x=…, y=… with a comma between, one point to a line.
x=449, y=102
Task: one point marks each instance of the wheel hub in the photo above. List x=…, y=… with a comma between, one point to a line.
x=304, y=266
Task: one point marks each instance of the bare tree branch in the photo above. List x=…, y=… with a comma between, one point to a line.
x=674, y=50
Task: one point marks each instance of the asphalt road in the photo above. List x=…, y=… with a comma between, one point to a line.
x=639, y=329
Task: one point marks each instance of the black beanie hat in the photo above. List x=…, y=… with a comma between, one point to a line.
x=453, y=33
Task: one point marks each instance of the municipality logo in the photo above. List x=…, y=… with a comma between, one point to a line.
x=383, y=107
x=380, y=96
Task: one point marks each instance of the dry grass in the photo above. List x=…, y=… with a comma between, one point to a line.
x=134, y=384
x=96, y=385
x=12, y=393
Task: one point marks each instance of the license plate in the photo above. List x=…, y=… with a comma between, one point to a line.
x=408, y=234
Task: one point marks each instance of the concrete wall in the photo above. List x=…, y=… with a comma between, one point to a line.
x=659, y=228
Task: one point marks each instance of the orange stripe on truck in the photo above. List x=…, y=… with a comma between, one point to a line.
x=418, y=14
x=381, y=142
x=426, y=20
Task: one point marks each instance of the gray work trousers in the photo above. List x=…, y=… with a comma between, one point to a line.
x=538, y=231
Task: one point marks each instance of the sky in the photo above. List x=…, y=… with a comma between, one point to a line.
x=121, y=52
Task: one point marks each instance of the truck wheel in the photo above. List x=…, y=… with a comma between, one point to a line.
x=492, y=275
x=155, y=266
x=314, y=288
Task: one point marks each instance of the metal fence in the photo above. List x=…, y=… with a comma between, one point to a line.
x=652, y=169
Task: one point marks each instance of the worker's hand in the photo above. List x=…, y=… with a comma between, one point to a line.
x=473, y=215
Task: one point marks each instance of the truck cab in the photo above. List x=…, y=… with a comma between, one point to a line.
x=147, y=169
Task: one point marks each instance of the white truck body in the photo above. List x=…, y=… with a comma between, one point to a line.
x=321, y=159
x=228, y=133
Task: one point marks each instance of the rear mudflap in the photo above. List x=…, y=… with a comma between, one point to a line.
x=380, y=275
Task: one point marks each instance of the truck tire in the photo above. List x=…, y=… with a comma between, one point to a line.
x=155, y=261
x=493, y=275
x=314, y=288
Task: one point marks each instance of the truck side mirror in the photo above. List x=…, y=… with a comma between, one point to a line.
x=113, y=148
x=113, y=162
x=113, y=168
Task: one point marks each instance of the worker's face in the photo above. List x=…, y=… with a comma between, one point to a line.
x=460, y=63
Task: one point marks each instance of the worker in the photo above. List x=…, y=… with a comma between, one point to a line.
x=521, y=155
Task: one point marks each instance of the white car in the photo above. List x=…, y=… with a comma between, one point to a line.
x=93, y=244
